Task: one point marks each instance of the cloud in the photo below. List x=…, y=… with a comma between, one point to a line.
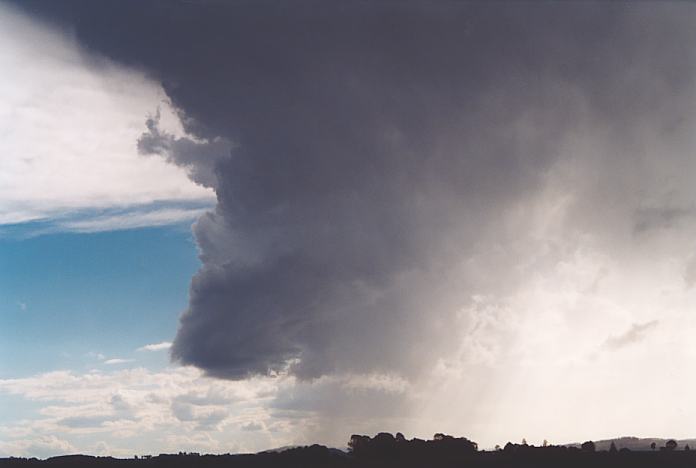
x=83, y=421
x=633, y=335
x=431, y=167
x=42, y=447
x=205, y=418
x=131, y=220
x=114, y=361
x=212, y=397
x=113, y=219
x=252, y=426
x=198, y=156
x=373, y=178
x=128, y=409
x=690, y=271
x=143, y=411
x=648, y=218
x=71, y=119
x=156, y=346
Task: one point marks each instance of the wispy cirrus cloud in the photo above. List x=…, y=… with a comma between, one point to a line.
x=115, y=361
x=132, y=220
x=149, y=215
x=156, y=346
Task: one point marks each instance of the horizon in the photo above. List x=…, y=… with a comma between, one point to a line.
x=230, y=226
x=602, y=446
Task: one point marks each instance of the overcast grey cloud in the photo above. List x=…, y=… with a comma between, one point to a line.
x=409, y=188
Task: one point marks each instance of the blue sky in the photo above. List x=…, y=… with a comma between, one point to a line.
x=67, y=297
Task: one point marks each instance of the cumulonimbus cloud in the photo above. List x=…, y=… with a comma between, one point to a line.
x=372, y=189
x=378, y=167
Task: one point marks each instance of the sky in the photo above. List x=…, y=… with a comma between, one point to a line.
x=233, y=226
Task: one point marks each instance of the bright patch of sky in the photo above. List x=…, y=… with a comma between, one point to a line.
x=70, y=122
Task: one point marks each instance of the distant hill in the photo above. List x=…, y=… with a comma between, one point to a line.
x=637, y=443
x=284, y=448
x=280, y=449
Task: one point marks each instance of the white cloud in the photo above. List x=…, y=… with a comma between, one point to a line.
x=138, y=411
x=117, y=361
x=156, y=346
x=43, y=447
x=131, y=220
x=70, y=124
x=127, y=411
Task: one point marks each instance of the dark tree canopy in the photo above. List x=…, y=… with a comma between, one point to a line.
x=588, y=446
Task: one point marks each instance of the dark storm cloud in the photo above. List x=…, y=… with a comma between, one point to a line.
x=664, y=217
x=199, y=158
x=378, y=150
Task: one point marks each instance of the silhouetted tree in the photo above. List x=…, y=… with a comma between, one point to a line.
x=383, y=445
x=612, y=448
x=385, y=450
x=358, y=444
x=652, y=446
x=455, y=444
x=384, y=438
x=588, y=446
x=687, y=448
